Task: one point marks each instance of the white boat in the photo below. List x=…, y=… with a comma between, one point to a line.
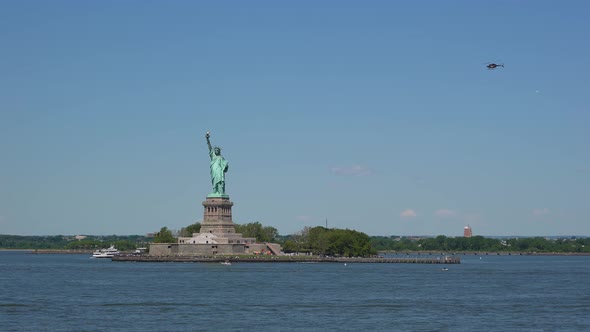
x=106, y=253
x=226, y=263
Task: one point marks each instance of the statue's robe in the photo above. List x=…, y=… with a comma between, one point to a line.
x=218, y=168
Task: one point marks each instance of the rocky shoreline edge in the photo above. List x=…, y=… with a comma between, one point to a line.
x=397, y=253
x=288, y=259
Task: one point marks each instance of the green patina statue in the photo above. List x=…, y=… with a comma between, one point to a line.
x=218, y=168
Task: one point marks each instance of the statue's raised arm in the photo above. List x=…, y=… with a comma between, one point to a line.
x=207, y=135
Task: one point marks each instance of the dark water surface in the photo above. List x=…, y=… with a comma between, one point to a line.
x=491, y=293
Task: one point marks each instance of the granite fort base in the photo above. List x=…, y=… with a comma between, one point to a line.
x=217, y=236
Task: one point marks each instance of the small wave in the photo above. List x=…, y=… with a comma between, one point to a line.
x=13, y=305
x=148, y=304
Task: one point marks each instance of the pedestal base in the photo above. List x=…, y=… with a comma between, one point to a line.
x=217, y=218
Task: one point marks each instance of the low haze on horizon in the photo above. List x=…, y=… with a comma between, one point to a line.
x=375, y=116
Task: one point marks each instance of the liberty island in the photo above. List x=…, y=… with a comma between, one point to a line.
x=217, y=235
x=217, y=239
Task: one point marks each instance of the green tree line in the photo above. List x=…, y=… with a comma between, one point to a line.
x=316, y=240
x=480, y=243
x=70, y=242
x=331, y=242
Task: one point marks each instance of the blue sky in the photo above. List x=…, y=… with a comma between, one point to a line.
x=378, y=116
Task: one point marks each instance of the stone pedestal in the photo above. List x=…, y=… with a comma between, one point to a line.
x=217, y=236
x=217, y=218
x=217, y=227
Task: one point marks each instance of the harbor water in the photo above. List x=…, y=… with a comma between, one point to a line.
x=56, y=292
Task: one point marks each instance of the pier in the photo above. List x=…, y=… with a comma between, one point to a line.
x=290, y=259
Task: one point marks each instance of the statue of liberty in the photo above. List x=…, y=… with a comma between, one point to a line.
x=218, y=168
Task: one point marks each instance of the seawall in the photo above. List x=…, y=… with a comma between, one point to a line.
x=290, y=259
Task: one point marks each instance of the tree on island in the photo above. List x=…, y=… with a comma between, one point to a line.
x=164, y=236
x=332, y=242
x=256, y=230
x=190, y=229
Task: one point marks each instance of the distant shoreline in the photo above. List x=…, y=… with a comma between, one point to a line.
x=485, y=253
x=390, y=252
x=51, y=251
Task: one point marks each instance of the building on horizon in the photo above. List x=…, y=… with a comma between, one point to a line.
x=467, y=232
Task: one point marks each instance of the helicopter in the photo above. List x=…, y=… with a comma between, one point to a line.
x=492, y=65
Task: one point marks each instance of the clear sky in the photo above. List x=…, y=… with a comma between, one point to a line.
x=379, y=116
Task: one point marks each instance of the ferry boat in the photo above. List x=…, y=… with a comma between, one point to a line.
x=106, y=253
